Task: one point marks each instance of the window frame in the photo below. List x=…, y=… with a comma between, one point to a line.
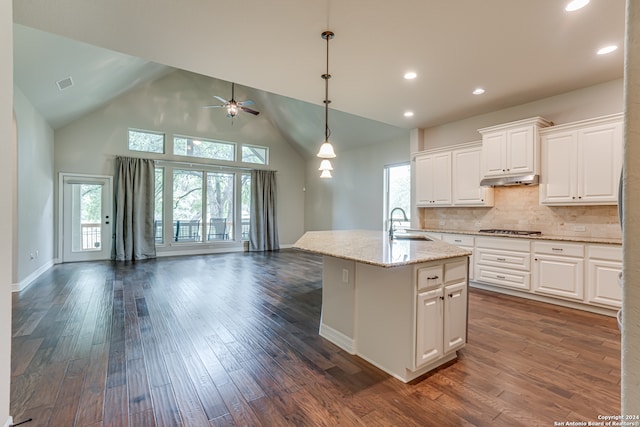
x=387, y=199
x=234, y=146
x=150, y=132
x=266, y=156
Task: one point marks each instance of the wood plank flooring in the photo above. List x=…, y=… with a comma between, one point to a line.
x=232, y=340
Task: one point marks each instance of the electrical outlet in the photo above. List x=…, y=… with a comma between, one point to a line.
x=345, y=275
x=580, y=228
x=37, y=253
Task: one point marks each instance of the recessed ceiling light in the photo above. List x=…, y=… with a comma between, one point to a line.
x=410, y=75
x=408, y=113
x=478, y=91
x=576, y=4
x=607, y=49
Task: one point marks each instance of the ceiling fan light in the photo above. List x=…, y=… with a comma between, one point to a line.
x=325, y=165
x=325, y=174
x=232, y=110
x=326, y=151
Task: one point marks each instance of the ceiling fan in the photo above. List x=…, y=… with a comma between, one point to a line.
x=234, y=107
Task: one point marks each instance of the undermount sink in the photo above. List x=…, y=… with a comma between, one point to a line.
x=409, y=236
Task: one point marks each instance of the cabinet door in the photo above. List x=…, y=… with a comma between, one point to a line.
x=424, y=180
x=494, y=153
x=559, y=276
x=600, y=157
x=603, y=282
x=520, y=150
x=429, y=328
x=441, y=179
x=559, y=168
x=466, y=178
x=455, y=316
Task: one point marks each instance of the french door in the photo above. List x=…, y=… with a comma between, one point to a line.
x=86, y=217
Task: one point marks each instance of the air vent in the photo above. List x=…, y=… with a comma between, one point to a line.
x=64, y=83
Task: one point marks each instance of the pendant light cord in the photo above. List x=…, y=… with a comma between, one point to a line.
x=327, y=35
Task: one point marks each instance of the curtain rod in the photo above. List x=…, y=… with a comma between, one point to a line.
x=176, y=162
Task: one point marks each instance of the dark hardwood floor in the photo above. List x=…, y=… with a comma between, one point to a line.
x=232, y=340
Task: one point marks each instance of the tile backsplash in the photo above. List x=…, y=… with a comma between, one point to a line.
x=518, y=208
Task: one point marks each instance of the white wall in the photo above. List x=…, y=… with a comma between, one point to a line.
x=353, y=198
x=35, y=190
x=594, y=101
x=8, y=197
x=173, y=104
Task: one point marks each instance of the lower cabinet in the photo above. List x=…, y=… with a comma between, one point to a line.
x=465, y=242
x=558, y=269
x=441, y=312
x=504, y=262
x=604, y=270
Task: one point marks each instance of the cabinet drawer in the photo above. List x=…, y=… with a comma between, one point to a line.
x=556, y=248
x=608, y=252
x=455, y=272
x=507, y=278
x=458, y=239
x=503, y=243
x=430, y=277
x=504, y=259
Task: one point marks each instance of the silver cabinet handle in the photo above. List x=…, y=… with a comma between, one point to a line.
x=557, y=249
x=432, y=278
x=501, y=259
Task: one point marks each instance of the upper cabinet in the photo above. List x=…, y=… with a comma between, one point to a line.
x=451, y=177
x=581, y=162
x=433, y=179
x=467, y=173
x=512, y=149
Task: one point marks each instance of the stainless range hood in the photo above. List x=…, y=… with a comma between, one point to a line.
x=504, y=181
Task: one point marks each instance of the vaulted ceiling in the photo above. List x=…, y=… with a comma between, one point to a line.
x=517, y=51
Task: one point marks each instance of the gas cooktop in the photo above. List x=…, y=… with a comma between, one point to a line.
x=512, y=232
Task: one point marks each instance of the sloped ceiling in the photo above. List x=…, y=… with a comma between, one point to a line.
x=518, y=51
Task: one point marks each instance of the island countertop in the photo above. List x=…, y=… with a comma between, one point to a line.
x=375, y=248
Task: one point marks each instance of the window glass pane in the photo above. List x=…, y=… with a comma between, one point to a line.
x=246, y=205
x=399, y=193
x=220, y=200
x=187, y=206
x=255, y=154
x=86, y=217
x=146, y=141
x=158, y=211
x=204, y=148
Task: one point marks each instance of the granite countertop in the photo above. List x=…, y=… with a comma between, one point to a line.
x=375, y=248
x=603, y=240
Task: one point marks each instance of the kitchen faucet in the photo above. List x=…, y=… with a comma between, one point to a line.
x=391, y=229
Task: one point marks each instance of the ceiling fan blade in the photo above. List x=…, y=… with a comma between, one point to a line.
x=250, y=111
x=224, y=101
x=245, y=103
x=212, y=106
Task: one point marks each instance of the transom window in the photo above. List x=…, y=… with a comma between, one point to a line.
x=142, y=140
x=255, y=154
x=204, y=148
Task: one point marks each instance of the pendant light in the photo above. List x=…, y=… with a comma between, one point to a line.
x=326, y=149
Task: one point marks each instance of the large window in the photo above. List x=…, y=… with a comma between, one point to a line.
x=397, y=195
x=187, y=205
x=204, y=148
x=152, y=142
x=220, y=201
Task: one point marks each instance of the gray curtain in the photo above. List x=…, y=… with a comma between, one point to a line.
x=263, y=235
x=135, y=198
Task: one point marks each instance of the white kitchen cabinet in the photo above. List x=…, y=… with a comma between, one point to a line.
x=581, y=162
x=504, y=262
x=604, y=264
x=558, y=269
x=465, y=242
x=433, y=179
x=512, y=149
x=466, y=176
x=441, y=312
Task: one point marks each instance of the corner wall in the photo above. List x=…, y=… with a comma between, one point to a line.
x=35, y=187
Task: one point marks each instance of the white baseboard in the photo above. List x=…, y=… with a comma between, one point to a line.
x=338, y=338
x=9, y=422
x=22, y=285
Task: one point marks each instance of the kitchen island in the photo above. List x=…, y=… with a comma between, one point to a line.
x=400, y=304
